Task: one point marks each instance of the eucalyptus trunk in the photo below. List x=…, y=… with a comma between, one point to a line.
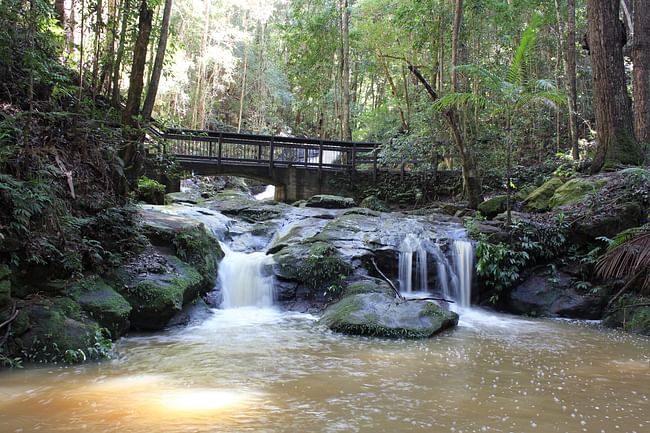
x=152, y=90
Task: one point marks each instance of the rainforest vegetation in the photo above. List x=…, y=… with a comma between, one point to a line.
x=541, y=107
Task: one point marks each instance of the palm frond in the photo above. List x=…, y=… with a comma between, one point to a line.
x=552, y=99
x=460, y=100
x=626, y=235
x=631, y=257
x=518, y=73
x=486, y=77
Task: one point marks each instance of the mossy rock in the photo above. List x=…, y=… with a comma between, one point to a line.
x=54, y=336
x=374, y=203
x=150, y=191
x=366, y=286
x=194, y=245
x=493, y=206
x=381, y=315
x=539, y=199
x=576, y=191
x=103, y=304
x=330, y=202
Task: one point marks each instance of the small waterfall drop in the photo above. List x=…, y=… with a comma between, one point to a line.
x=243, y=279
x=412, y=245
x=463, y=255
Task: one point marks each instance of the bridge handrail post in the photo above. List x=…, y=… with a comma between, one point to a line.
x=374, y=162
x=320, y=158
x=219, y=149
x=271, y=153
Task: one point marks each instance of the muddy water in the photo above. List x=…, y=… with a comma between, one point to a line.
x=252, y=370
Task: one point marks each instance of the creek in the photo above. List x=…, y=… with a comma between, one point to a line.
x=257, y=368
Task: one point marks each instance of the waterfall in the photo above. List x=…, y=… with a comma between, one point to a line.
x=454, y=270
x=244, y=280
x=412, y=245
x=463, y=254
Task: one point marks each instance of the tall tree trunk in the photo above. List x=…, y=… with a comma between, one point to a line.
x=242, y=93
x=455, y=40
x=641, y=73
x=393, y=89
x=198, y=114
x=346, y=131
x=569, y=57
x=99, y=24
x=117, y=67
x=147, y=108
x=612, y=106
x=136, y=82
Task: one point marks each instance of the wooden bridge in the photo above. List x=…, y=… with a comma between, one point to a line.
x=298, y=167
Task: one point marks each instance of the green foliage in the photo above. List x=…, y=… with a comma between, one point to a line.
x=324, y=269
x=146, y=185
x=10, y=362
x=499, y=265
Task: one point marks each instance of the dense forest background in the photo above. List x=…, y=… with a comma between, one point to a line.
x=362, y=70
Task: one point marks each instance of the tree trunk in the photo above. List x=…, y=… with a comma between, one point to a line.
x=198, y=114
x=117, y=67
x=612, y=107
x=346, y=131
x=471, y=178
x=242, y=93
x=136, y=81
x=393, y=90
x=59, y=12
x=458, y=20
x=641, y=72
x=569, y=58
x=147, y=108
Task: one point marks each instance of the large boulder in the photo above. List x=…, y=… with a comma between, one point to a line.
x=374, y=203
x=606, y=222
x=539, y=199
x=330, y=202
x=576, y=191
x=382, y=315
x=493, y=206
x=555, y=296
x=156, y=286
x=103, y=304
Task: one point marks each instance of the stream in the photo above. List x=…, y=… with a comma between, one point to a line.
x=259, y=369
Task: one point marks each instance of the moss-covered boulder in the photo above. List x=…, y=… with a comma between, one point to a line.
x=103, y=304
x=607, y=222
x=493, y=206
x=156, y=286
x=58, y=331
x=194, y=245
x=381, y=315
x=330, y=202
x=150, y=191
x=576, y=191
x=539, y=199
x=374, y=203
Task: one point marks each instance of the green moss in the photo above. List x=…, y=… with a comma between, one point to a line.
x=576, y=191
x=374, y=203
x=197, y=247
x=359, y=287
x=623, y=150
x=494, y=206
x=539, y=199
x=150, y=191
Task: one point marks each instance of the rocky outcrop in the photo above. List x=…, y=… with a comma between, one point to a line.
x=368, y=309
x=539, y=199
x=330, y=202
x=493, y=206
x=374, y=203
x=555, y=295
x=576, y=191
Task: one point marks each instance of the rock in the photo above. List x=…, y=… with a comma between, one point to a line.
x=539, y=199
x=330, y=202
x=494, y=206
x=157, y=286
x=103, y=304
x=59, y=332
x=553, y=295
x=606, y=222
x=381, y=315
x=494, y=231
x=194, y=312
x=183, y=198
x=150, y=191
x=575, y=191
x=374, y=203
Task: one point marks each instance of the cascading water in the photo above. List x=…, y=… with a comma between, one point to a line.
x=454, y=272
x=243, y=279
x=412, y=245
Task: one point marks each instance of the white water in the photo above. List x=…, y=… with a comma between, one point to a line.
x=267, y=194
x=245, y=279
x=454, y=270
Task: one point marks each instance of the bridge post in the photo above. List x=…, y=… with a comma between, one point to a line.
x=219, y=149
x=271, y=154
x=320, y=159
x=374, y=163
x=354, y=162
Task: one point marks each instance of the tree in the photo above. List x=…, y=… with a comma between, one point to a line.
x=346, y=131
x=152, y=90
x=616, y=141
x=507, y=95
x=641, y=73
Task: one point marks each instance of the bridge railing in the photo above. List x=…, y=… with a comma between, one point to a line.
x=250, y=149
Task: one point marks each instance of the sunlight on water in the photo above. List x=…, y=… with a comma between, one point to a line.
x=262, y=370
